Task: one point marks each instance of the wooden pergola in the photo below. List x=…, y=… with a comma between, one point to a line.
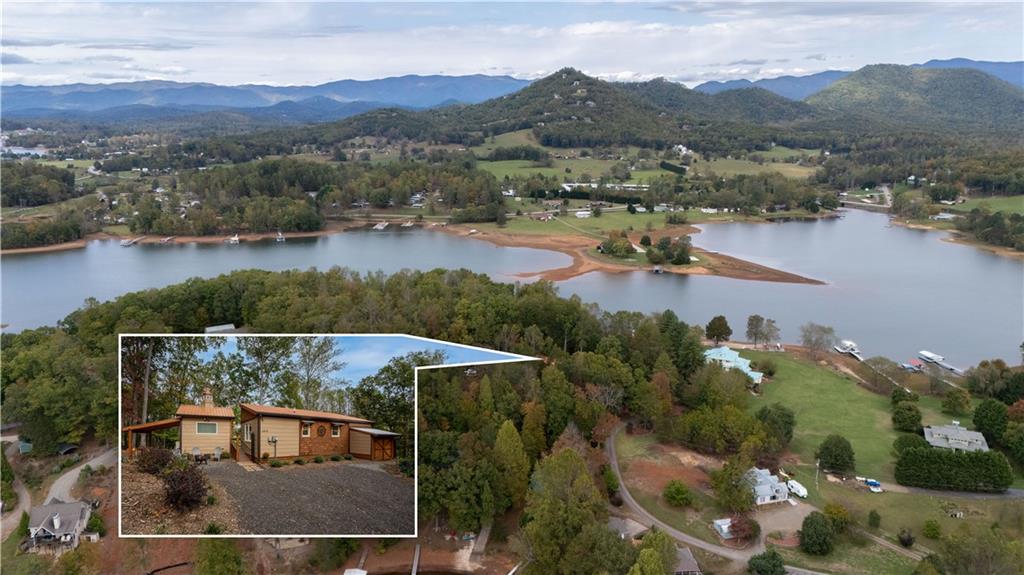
x=147, y=428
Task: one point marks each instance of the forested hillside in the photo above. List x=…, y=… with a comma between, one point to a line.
x=738, y=105
x=32, y=184
x=956, y=100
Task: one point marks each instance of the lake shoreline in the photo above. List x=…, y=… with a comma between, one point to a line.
x=578, y=248
x=960, y=238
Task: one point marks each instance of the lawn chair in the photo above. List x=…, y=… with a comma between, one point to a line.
x=196, y=454
x=217, y=453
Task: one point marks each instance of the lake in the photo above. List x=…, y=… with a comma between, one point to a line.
x=893, y=290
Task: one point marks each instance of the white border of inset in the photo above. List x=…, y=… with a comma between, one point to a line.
x=512, y=358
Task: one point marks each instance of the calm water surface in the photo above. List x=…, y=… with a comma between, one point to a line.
x=893, y=290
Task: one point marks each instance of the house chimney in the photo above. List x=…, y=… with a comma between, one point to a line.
x=207, y=397
x=56, y=521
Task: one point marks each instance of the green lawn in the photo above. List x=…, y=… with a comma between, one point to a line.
x=16, y=563
x=735, y=167
x=782, y=152
x=1009, y=204
x=851, y=559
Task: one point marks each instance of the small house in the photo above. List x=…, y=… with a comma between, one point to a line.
x=767, y=488
x=205, y=428
x=730, y=359
x=283, y=432
x=955, y=437
x=57, y=526
x=583, y=214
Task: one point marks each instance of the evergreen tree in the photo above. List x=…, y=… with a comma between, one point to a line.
x=512, y=462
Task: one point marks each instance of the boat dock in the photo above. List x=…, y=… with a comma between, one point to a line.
x=131, y=242
x=381, y=226
x=168, y=239
x=408, y=224
x=849, y=348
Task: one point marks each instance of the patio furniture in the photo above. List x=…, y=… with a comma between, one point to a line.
x=217, y=453
x=196, y=454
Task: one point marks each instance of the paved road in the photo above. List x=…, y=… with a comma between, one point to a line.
x=61, y=488
x=13, y=516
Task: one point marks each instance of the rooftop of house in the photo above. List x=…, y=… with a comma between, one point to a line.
x=206, y=408
x=731, y=358
x=685, y=561
x=376, y=432
x=71, y=515
x=764, y=483
x=300, y=413
x=955, y=437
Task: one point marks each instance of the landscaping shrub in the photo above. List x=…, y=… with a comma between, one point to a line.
x=990, y=419
x=767, y=563
x=213, y=529
x=330, y=554
x=816, y=535
x=266, y=455
x=899, y=395
x=677, y=494
x=874, y=519
x=153, y=460
x=838, y=516
x=985, y=471
x=211, y=500
x=96, y=524
x=744, y=527
x=767, y=367
x=615, y=499
x=348, y=457
x=611, y=481
x=932, y=529
x=836, y=454
x=185, y=488
x=22, y=529
x=906, y=538
x=276, y=463
x=220, y=556
x=335, y=457
x=318, y=459
x=406, y=466
x=906, y=416
x=909, y=441
x=300, y=461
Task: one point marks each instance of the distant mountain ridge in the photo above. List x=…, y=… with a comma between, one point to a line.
x=950, y=99
x=410, y=91
x=802, y=87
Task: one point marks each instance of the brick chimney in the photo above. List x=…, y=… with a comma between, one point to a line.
x=207, y=397
x=56, y=520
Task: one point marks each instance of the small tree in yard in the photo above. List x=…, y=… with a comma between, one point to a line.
x=817, y=338
x=767, y=563
x=906, y=538
x=838, y=516
x=874, y=519
x=22, y=529
x=990, y=419
x=96, y=525
x=645, y=241
x=744, y=528
x=755, y=328
x=718, y=329
x=957, y=401
x=900, y=394
x=906, y=416
x=905, y=442
x=836, y=454
x=932, y=529
x=677, y=494
x=816, y=535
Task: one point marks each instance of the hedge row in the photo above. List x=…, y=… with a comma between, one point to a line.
x=959, y=471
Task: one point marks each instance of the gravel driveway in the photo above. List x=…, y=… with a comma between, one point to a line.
x=325, y=499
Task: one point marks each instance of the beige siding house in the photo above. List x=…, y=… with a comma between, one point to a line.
x=204, y=428
x=282, y=432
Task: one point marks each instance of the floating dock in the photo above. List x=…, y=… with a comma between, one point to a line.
x=381, y=226
x=408, y=224
x=131, y=242
x=849, y=348
x=168, y=239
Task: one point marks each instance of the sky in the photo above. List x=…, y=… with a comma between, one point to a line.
x=365, y=355
x=282, y=43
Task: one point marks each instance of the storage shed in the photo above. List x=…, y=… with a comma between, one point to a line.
x=373, y=444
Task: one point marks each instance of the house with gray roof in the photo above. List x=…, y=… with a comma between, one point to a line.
x=767, y=488
x=57, y=526
x=955, y=437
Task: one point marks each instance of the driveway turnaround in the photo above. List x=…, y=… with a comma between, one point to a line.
x=319, y=499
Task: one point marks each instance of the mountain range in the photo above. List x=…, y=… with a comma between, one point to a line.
x=409, y=91
x=802, y=87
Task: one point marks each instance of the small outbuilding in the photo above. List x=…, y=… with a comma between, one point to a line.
x=374, y=444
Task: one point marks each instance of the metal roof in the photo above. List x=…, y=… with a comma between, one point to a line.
x=300, y=413
x=376, y=432
x=205, y=411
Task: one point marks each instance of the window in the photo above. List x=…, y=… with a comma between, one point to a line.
x=305, y=430
x=206, y=427
x=335, y=430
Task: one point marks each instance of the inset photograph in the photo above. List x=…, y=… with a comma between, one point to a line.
x=273, y=435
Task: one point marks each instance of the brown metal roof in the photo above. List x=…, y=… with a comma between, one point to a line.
x=300, y=413
x=153, y=425
x=204, y=411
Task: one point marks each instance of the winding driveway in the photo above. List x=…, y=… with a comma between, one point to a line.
x=13, y=515
x=61, y=488
x=728, y=552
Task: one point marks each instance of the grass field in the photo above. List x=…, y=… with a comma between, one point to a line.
x=734, y=167
x=1009, y=204
x=827, y=403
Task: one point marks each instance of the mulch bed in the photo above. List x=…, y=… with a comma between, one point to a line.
x=145, y=512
